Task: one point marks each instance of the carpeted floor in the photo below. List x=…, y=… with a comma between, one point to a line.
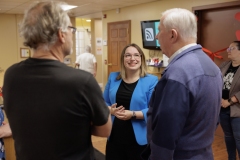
x=98, y=155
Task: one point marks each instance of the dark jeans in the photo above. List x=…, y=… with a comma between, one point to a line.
x=123, y=152
x=231, y=129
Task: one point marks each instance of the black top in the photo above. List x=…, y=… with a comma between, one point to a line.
x=227, y=79
x=122, y=131
x=50, y=107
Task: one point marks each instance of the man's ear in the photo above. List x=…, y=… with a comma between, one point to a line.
x=61, y=36
x=174, y=35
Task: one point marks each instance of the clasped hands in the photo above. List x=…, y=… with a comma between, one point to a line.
x=120, y=112
x=225, y=103
x=5, y=130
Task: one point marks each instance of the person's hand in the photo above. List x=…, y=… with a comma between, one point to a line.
x=114, y=110
x=5, y=130
x=225, y=103
x=124, y=115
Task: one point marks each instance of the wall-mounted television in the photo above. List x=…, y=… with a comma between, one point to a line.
x=149, y=31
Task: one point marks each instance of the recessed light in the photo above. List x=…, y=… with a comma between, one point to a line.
x=88, y=20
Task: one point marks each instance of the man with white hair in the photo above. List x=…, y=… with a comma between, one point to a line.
x=184, y=108
x=87, y=61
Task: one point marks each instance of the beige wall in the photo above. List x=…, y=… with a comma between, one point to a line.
x=8, y=42
x=80, y=22
x=96, y=29
x=149, y=11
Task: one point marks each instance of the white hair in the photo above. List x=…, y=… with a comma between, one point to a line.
x=182, y=20
x=88, y=48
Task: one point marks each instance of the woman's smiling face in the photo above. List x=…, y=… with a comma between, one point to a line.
x=132, y=59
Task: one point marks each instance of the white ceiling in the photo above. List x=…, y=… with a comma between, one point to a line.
x=85, y=9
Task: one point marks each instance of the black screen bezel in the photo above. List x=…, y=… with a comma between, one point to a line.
x=143, y=41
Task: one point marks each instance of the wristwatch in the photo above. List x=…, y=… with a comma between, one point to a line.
x=134, y=115
x=230, y=101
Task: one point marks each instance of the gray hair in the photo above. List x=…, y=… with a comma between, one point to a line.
x=42, y=22
x=184, y=21
x=88, y=48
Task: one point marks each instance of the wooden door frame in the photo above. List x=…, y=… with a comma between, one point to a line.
x=129, y=32
x=197, y=11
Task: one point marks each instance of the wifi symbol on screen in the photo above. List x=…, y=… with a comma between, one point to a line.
x=149, y=34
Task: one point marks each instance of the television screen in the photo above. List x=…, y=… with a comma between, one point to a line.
x=149, y=31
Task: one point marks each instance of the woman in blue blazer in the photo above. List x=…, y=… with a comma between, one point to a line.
x=127, y=94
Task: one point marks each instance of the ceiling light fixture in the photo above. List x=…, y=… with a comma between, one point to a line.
x=88, y=20
x=68, y=7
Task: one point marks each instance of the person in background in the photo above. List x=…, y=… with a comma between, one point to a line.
x=127, y=94
x=184, y=108
x=53, y=109
x=5, y=131
x=230, y=110
x=87, y=61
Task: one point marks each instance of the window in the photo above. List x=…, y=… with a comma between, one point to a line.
x=80, y=42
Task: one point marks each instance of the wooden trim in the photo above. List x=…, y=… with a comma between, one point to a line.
x=198, y=12
x=9, y=148
x=119, y=22
x=215, y=6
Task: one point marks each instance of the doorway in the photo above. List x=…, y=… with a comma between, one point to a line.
x=216, y=30
x=119, y=35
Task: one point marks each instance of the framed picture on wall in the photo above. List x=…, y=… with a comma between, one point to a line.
x=67, y=61
x=25, y=52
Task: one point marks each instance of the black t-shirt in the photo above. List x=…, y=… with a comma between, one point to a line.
x=50, y=107
x=122, y=130
x=227, y=79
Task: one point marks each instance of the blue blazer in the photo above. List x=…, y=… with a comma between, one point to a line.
x=139, y=101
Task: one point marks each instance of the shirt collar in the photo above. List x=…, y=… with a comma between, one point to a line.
x=180, y=50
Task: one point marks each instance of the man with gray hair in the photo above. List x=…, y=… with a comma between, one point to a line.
x=52, y=109
x=184, y=108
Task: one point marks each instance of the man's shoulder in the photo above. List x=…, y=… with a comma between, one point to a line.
x=189, y=66
x=16, y=67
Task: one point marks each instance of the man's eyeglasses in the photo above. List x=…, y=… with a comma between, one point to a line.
x=230, y=49
x=73, y=29
x=129, y=56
